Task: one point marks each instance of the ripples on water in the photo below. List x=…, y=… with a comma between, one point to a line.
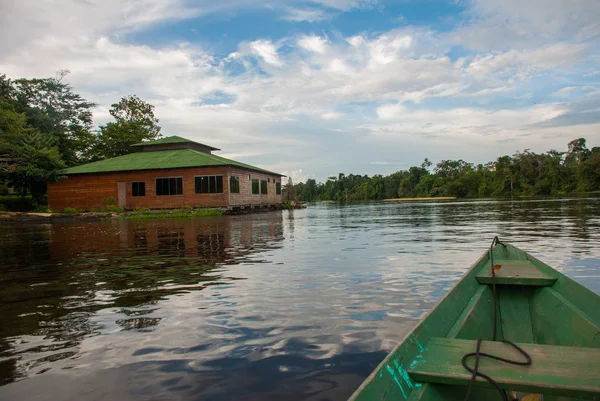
x=283, y=305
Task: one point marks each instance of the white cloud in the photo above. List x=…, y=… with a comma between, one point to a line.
x=283, y=105
x=386, y=49
x=313, y=43
x=304, y=14
x=518, y=24
x=569, y=90
x=31, y=20
x=331, y=116
x=390, y=111
x=526, y=62
x=297, y=176
x=267, y=51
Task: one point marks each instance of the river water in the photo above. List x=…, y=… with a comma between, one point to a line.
x=294, y=305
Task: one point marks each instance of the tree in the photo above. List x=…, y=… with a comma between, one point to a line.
x=36, y=161
x=52, y=108
x=12, y=123
x=134, y=122
x=524, y=173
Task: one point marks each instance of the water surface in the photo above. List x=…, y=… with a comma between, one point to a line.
x=295, y=305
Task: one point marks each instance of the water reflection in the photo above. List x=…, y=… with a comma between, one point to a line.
x=55, y=278
x=291, y=305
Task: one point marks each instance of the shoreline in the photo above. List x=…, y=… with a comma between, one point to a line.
x=156, y=214
x=430, y=198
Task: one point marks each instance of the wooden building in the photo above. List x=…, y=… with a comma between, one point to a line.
x=171, y=172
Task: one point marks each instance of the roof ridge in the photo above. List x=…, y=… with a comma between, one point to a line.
x=159, y=160
x=172, y=139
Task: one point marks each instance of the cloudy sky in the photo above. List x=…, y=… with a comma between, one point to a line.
x=316, y=87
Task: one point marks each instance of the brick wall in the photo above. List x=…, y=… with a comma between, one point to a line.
x=245, y=197
x=90, y=191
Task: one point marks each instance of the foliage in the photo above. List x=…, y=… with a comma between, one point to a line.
x=12, y=203
x=53, y=109
x=45, y=126
x=42, y=209
x=174, y=214
x=134, y=122
x=113, y=209
x=70, y=210
x=35, y=161
x=524, y=173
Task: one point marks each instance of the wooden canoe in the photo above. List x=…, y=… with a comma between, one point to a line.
x=551, y=317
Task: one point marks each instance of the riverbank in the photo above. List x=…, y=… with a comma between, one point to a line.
x=431, y=198
x=146, y=214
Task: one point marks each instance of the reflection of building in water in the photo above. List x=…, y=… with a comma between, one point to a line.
x=127, y=265
x=213, y=240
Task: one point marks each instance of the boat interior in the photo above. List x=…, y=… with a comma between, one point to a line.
x=552, y=319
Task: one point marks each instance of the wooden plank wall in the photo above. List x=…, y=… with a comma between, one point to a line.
x=91, y=191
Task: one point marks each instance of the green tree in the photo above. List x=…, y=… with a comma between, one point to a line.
x=52, y=108
x=134, y=122
x=35, y=161
x=12, y=123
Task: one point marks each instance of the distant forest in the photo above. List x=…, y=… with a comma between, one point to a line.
x=524, y=173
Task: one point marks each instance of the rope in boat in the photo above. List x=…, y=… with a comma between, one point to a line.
x=478, y=354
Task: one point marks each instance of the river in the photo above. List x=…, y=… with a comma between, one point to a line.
x=294, y=305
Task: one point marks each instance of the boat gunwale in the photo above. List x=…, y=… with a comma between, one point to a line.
x=382, y=364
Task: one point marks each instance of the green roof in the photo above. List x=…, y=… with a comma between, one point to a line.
x=171, y=139
x=160, y=159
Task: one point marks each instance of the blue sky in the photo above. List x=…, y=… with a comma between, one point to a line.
x=314, y=88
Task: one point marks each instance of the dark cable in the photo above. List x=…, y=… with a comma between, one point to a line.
x=477, y=354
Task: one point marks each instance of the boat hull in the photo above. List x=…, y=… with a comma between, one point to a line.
x=536, y=305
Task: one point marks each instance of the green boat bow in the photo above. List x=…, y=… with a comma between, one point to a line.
x=550, y=317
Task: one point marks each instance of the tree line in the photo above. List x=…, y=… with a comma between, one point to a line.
x=45, y=126
x=524, y=173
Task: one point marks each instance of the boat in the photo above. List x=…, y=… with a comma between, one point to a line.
x=513, y=328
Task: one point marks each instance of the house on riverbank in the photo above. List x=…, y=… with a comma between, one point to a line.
x=171, y=172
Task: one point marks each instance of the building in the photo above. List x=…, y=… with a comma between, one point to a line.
x=171, y=172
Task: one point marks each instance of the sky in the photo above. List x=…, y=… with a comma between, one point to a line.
x=313, y=88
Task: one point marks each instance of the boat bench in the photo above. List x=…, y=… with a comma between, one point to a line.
x=515, y=272
x=562, y=371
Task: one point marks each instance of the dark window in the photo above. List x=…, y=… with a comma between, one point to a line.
x=209, y=184
x=138, y=188
x=169, y=186
x=255, y=187
x=234, y=185
x=263, y=187
x=278, y=188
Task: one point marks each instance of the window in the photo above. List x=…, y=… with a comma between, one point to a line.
x=249, y=177
x=263, y=187
x=234, y=185
x=169, y=186
x=255, y=188
x=209, y=184
x=278, y=188
x=138, y=188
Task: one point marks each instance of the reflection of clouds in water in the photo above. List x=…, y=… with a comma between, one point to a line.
x=292, y=305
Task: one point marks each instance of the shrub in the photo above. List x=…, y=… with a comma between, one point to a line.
x=16, y=203
x=110, y=201
x=42, y=209
x=141, y=209
x=70, y=210
x=113, y=209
